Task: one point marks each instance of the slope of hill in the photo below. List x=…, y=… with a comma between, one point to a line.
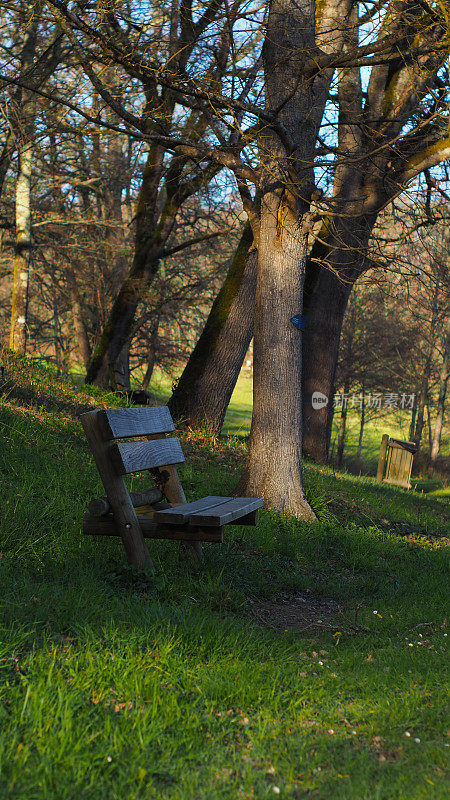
x=301, y=661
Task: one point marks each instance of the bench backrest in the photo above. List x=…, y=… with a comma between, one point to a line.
x=122, y=423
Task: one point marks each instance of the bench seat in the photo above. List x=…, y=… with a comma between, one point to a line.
x=212, y=511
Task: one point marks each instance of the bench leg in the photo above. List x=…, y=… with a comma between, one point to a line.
x=168, y=481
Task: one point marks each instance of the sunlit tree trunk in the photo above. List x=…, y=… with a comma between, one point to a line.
x=412, y=424
x=443, y=382
x=342, y=426
x=21, y=271
x=273, y=468
x=361, y=424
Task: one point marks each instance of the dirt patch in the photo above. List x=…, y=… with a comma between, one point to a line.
x=300, y=612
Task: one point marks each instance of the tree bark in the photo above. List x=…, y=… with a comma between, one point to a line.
x=273, y=467
x=203, y=392
x=21, y=271
x=443, y=382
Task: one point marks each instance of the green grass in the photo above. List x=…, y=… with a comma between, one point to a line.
x=239, y=412
x=117, y=684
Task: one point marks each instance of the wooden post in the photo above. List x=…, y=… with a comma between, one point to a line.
x=170, y=485
x=118, y=498
x=168, y=481
x=382, y=458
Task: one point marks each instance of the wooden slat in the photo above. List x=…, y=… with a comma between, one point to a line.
x=227, y=512
x=119, y=423
x=180, y=514
x=382, y=458
x=136, y=456
x=393, y=468
x=411, y=447
x=106, y=526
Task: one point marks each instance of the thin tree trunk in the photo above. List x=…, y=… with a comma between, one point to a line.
x=57, y=339
x=148, y=243
x=21, y=272
x=421, y=403
x=361, y=425
x=122, y=369
x=412, y=424
x=151, y=361
x=443, y=382
x=206, y=385
x=151, y=356
x=429, y=426
x=342, y=427
x=81, y=336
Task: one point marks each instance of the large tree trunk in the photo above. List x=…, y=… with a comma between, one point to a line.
x=342, y=253
x=273, y=467
x=203, y=393
x=21, y=272
x=443, y=381
x=320, y=355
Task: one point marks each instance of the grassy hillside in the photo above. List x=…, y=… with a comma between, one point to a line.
x=303, y=661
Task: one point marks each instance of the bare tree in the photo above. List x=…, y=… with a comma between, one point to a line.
x=387, y=135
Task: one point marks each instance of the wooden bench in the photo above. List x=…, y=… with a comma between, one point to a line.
x=161, y=512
